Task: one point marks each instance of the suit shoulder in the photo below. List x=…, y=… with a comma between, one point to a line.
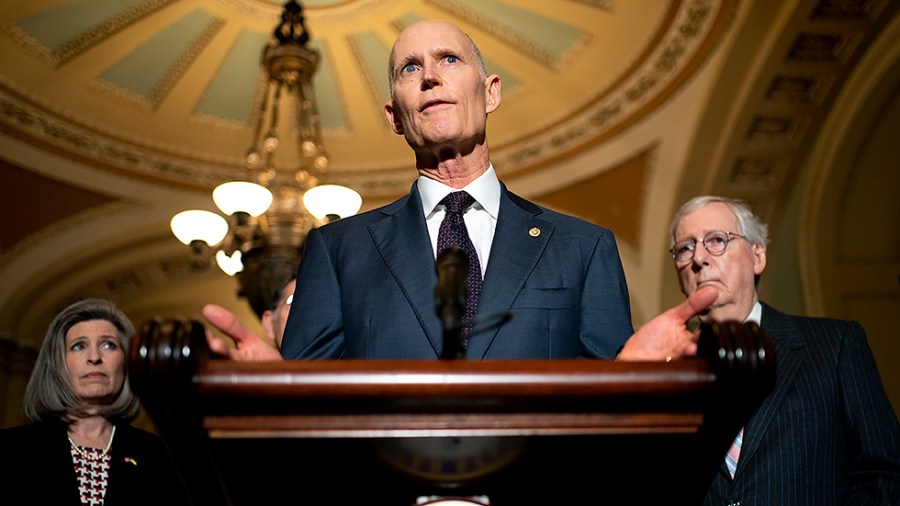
x=818, y=323
x=14, y=435
x=814, y=331
x=139, y=436
x=361, y=220
x=33, y=438
x=140, y=441
x=29, y=430
x=565, y=222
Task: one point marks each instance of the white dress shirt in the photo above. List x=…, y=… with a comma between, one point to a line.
x=480, y=218
x=755, y=315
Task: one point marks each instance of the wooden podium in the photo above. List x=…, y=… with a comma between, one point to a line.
x=394, y=432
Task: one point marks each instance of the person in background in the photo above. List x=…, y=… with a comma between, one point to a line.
x=247, y=345
x=275, y=319
x=826, y=434
x=80, y=447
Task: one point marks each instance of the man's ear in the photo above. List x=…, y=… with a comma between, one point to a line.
x=492, y=93
x=759, y=258
x=393, y=119
x=267, y=324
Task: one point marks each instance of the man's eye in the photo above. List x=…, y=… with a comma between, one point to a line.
x=716, y=239
x=409, y=67
x=451, y=59
x=684, y=247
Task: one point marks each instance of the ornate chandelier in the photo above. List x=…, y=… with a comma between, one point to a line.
x=280, y=200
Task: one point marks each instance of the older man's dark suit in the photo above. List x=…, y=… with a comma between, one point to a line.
x=365, y=288
x=827, y=433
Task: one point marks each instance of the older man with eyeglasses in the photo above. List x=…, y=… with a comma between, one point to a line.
x=827, y=433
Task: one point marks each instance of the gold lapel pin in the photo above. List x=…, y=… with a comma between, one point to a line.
x=534, y=232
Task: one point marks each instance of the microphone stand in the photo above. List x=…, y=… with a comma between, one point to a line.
x=452, y=266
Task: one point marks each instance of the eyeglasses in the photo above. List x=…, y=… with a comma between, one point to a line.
x=715, y=243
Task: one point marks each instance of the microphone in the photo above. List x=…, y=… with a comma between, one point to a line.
x=452, y=266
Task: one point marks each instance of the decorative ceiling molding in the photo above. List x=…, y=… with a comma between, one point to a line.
x=28, y=123
x=200, y=149
x=681, y=47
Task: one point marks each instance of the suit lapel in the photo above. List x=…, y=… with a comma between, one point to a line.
x=788, y=344
x=402, y=239
x=506, y=273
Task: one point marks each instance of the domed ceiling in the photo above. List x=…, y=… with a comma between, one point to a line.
x=169, y=90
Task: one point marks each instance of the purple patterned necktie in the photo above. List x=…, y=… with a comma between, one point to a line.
x=453, y=232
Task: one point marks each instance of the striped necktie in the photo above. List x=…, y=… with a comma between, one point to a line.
x=731, y=458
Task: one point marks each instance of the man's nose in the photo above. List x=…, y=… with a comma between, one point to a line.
x=431, y=77
x=701, y=256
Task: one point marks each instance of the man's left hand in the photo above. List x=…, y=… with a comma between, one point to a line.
x=667, y=337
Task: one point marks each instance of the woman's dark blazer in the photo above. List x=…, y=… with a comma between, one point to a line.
x=37, y=468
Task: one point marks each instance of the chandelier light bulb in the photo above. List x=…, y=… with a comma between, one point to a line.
x=331, y=199
x=198, y=225
x=270, y=143
x=242, y=196
x=304, y=178
x=265, y=177
x=253, y=158
x=290, y=77
x=230, y=265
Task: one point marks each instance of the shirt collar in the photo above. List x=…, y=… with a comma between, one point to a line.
x=485, y=190
x=755, y=315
